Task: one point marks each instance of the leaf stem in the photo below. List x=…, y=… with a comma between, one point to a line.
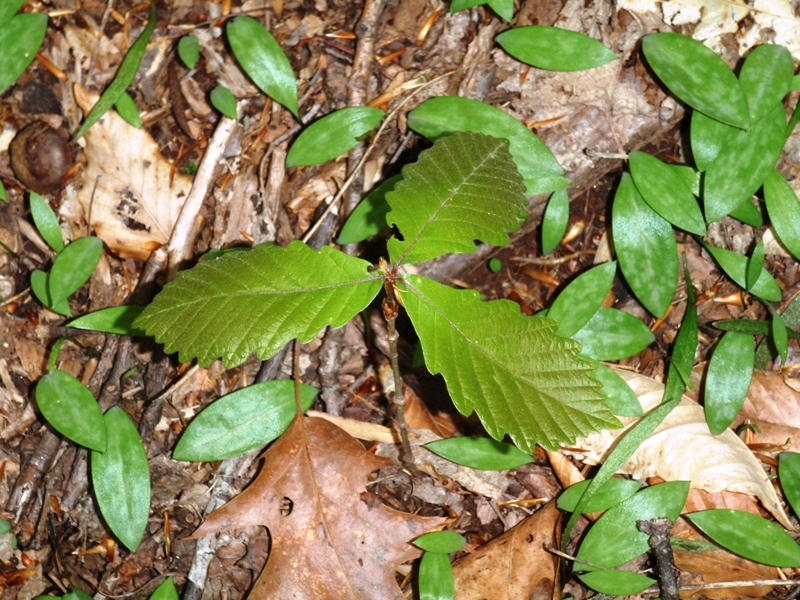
x=390, y=309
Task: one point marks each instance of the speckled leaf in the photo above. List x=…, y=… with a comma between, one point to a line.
x=780, y=336
x=748, y=213
x=707, y=137
x=666, y=193
x=554, y=48
x=611, y=493
x=646, y=248
x=613, y=334
x=554, y=221
x=465, y=188
x=20, y=39
x=333, y=135
x=755, y=262
x=582, y=298
x=688, y=175
x=766, y=77
x=517, y=375
x=735, y=267
x=697, y=76
x=257, y=301
x=615, y=582
x=441, y=116
x=783, y=208
x=685, y=346
x=728, y=379
x=789, y=473
x=8, y=8
x=743, y=164
x=619, y=396
x=479, y=453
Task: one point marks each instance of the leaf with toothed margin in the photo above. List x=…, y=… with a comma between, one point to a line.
x=543, y=394
x=257, y=301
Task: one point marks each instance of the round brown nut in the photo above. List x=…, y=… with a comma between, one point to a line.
x=40, y=157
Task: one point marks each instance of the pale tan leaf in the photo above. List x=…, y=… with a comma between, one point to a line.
x=126, y=185
x=773, y=404
x=330, y=538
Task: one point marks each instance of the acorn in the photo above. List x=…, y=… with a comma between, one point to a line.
x=40, y=157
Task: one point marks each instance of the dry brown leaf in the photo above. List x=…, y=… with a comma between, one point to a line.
x=329, y=541
x=773, y=403
x=126, y=185
x=515, y=565
x=683, y=449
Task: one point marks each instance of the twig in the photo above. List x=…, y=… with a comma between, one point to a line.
x=15, y=297
x=390, y=309
x=551, y=262
x=659, y=530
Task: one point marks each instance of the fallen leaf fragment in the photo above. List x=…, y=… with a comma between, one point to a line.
x=515, y=565
x=126, y=185
x=773, y=404
x=328, y=542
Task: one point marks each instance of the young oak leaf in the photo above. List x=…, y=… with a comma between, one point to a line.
x=465, y=188
x=543, y=394
x=328, y=542
x=257, y=301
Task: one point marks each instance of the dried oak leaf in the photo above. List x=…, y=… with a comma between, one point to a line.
x=328, y=540
x=126, y=185
x=773, y=404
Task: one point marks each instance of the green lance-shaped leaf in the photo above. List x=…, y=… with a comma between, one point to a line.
x=41, y=290
x=684, y=348
x=697, y=76
x=71, y=409
x=789, y=474
x=748, y=213
x=766, y=77
x=755, y=263
x=666, y=193
x=124, y=77
x=480, y=453
x=189, y=50
x=73, y=267
x=688, y=175
x=75, y=594
x=435, y=579
x=166, y=591
x=20, y=39
x=8, y=9
x=263, y=60
x=224, y=101
x=748, y=535
x=783, y=208
x=440, y=542
x=437, y=117
x=780, y=334
x=728, y=379
x=554, y=48
x=707, y=137
x=513, y=371
x=615, y=538
x=257, y=301
x=116, y=319
x=242, y=420
x=333, y=135
x=554, y=220
x=750, y=327
x=620, y=398
x=611, y=493
x=465, y=188
x=504, y=8
x=121, y=480
x=369, y=217
x=735, y=267
x=646, y=248
x=127, y=109
x=613, y=334
x=46, y=222
x=582, y=298
x=741, y=167
x=616, y=582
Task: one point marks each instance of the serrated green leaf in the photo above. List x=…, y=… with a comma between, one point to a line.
x=504, y=8
x=242, y=420
x=779, y=333
x=189, y=50
x=666, y=192
x=554, y=49
x=619, y=396
x=616, y=582
x=41, y=289
x=582, y=298
x=741, y=166
x=121, y=480
x=369, y=217
x=71, y=409
x=543, y=394
x=224, y=101
x=783, y=208
x=124, y=77
x=73, y=267
x=735, y=267
x=465, y=188
x=645, y=247
x=166, y=591
x=437, y=117
x=766, y=77
x=615, y=539
x=748, y=535
x=685, y=346
x=613, y=334
x=20, y=39
x=789, y=474
x=755, y=263
x=8, y=9
x=697, y=76
x=46, y=222
x=116, y=319
x=267, y=297
x=611, y=493
x=263, y=60
x=480, y=453
x=126, y=108
x=728, y=379
x=435, y=579
x=440, y=542
x=333, y=135
x=554, y=221
x=748, y=213
x=707, y=137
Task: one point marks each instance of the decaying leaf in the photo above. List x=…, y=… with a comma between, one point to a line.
x=682, y=448
x=515, y=565
x=773, y=404
x=328, y=540
x=126, y=185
